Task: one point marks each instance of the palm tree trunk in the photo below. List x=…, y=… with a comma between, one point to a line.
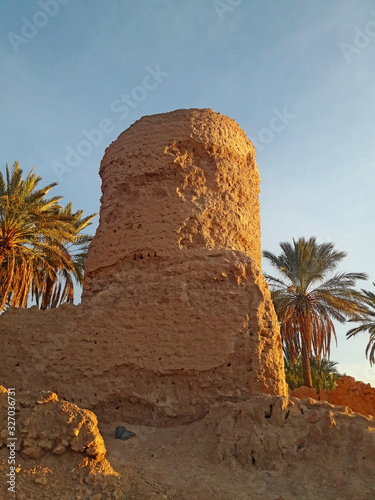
x=46, y=300
x=305, y=340
x=307, y=380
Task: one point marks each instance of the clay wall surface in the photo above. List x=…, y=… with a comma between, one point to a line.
x=176, y=314
x=358, y=396
x=259, y=449
x=175, y=182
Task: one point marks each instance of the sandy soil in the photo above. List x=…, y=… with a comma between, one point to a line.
x=266, y=448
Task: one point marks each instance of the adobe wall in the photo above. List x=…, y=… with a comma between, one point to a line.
x=358, y=396
x=175, y=314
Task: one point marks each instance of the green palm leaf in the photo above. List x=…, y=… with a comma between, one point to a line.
x=307, y=298
x=367, y=324
x=39, y=242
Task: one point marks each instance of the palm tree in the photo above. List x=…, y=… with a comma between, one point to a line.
x=34, y=232
x=53, y=286
x=307, y=299
x=324, y=374
x=367, y=321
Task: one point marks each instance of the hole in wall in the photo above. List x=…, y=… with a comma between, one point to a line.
x=268, y=414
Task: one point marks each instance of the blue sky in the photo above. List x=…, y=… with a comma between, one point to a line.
x=298, y=77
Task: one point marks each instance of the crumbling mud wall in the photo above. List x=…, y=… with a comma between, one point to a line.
x=358, y=396
x=176, y=314
x=259, y=449
x=57, y=451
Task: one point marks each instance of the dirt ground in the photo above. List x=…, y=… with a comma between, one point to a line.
x=267, y=448
x=166, y=459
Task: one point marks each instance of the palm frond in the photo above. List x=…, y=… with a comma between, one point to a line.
x=308, y=299
x=42, y=249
